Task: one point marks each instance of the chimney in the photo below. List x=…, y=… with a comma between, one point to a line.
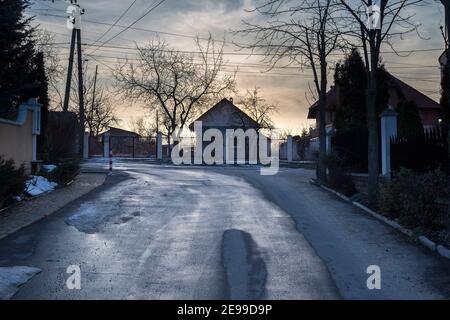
x=231, y=99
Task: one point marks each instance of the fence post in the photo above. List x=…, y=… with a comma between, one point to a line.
x=106, y=141
x=159, y=151
x=86, y=146
x=388, y=130
x=289, y=149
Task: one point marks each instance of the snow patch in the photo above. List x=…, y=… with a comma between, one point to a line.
x=38, y=185
x=49, y=167
x=12, y=278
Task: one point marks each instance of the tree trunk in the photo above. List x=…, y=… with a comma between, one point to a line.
x=447, y=13
x=372, y=124
x=448, y=181
x=322, y=165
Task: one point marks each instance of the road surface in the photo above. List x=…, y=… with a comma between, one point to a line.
x=165, y=232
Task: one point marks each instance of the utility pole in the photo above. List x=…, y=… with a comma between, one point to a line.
x=74, y=24
x=93, y=94
x=69, y=71
x=446, y=4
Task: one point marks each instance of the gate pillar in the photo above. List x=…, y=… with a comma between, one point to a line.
x=106, y=142
x=388, y=131
x=86, y=146
x=159, y=151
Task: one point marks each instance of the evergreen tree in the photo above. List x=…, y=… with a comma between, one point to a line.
x=351, y=84
x=303, y=143
x=409, y=121
x=16, y=54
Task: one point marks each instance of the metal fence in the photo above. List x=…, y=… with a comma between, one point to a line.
x=133, y=146
x=424, y=151
x=351, y=147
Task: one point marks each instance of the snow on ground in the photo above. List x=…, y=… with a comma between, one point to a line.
x=49, y=167
x=12, y=278
x=38, y=185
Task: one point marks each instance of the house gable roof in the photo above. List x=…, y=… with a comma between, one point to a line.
x=225, y=114
x=398, y=90
x=120, y=132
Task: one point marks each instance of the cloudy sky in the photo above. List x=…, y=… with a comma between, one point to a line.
x=178, y=21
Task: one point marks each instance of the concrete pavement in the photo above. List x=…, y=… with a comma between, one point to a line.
x=157, y=232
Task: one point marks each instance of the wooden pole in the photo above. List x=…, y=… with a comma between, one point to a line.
x=69, y=72
x=80, y=89
x=93, y=94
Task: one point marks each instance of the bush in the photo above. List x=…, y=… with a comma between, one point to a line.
x=412, y=199
x=64, y=172
x=338, y=177
x=12, y=181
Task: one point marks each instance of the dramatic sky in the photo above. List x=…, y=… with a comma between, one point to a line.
x=178, y=21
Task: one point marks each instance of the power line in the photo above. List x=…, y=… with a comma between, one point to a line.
x=115, y=23
x=153, y=7
x=255, y=54
x=135, y=28
x=235, y=53
x=250, y=65
x=245, y=65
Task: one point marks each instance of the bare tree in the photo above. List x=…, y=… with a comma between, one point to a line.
x=283, y=135
x=258, y=109
x=180, y=84
x=99, y=111
x=54, y=70
x=142, y=127
x=374, y=23
x=302, y=33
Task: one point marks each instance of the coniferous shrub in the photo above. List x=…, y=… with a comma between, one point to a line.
x=338, y=177
x=12, y=181
x=412, y=198
x=65, y=172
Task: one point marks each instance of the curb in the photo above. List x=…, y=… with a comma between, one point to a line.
x=385, y=220
x=443, y=251
x=431, y=245
x=340, y=195
x=427, y=243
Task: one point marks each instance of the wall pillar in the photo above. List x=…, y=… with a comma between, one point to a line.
x=159, y=149
x=388, y=130
x=86, y=146
x=289, y=149
x=106, y=143
x=34, y=148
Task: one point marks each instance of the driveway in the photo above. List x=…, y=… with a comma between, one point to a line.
x=164, y=232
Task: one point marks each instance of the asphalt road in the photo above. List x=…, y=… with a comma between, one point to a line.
x=163, y=232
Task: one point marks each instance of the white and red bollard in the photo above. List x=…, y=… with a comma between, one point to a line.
x=110, y=162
